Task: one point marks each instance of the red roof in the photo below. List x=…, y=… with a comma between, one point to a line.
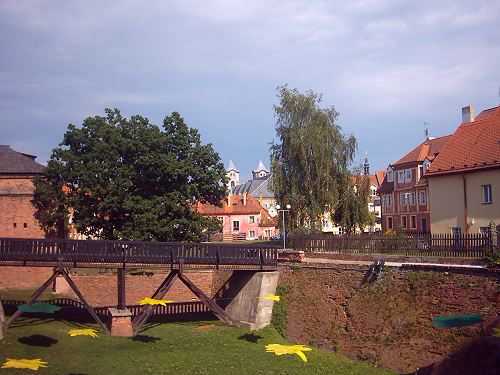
x=474, y=145
x=380, y=177
x=428, y=149
x=237, y=207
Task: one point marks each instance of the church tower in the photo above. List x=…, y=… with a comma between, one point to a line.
x=261, y=172
x=233, y=175
x=366, y=165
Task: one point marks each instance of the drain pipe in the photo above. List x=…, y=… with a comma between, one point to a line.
x=466, y=219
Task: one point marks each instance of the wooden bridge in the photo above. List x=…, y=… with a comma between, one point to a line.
x=120, y=255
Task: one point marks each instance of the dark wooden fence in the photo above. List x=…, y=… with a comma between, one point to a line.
x=87, y=253
x=409, y=244
x=176, y=308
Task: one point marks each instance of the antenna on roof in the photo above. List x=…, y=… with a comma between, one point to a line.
x=426, y=130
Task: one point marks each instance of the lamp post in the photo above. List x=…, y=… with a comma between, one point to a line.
x=278, y=207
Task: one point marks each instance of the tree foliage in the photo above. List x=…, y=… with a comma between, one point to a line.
x=310, y=162
x=129, y=179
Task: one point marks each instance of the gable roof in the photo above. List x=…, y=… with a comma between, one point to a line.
x=18, y=163
x=380, y=175
x=474, y=146
x=252, y=207
x=428, y=149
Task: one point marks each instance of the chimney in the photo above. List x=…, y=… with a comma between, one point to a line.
x=468, y=114
x=244, y=199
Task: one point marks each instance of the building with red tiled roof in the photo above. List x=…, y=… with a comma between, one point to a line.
x=241, y=216
x=464, y=180
x=404, y=191
x=17, y=213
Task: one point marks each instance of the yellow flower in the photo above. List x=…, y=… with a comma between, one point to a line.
x=271, y=297
x=32, y=364
x=288, y=349
x=152, y=301
x=83, y=332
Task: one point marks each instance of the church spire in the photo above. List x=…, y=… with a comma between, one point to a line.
x=366, y=165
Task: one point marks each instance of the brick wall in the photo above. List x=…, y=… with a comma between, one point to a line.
x=16, y=210
x=23, y=277
x=102, y=290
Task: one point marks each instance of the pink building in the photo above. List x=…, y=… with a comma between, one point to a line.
x=241, y=216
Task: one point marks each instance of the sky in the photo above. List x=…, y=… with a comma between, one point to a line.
x=387, y=66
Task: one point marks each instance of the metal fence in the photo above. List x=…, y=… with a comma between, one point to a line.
x=408, y=244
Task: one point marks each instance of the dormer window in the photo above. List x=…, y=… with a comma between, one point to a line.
x=427, y=164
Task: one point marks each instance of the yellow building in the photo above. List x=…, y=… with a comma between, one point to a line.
x=464, y=179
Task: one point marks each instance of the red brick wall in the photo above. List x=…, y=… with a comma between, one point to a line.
x=16, y=207
x=101, y=290
x=23, y=277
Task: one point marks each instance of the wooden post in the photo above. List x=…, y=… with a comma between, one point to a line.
x=121, y=289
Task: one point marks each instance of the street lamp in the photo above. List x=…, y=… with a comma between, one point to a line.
x=278, y=207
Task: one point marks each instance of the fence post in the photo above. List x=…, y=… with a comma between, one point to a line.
x=492, y=239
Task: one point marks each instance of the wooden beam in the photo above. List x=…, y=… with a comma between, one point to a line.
x=216, y=309
x=32, y=299
x=85, y=304
x=146, y=312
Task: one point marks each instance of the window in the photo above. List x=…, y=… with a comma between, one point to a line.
x=236, y=225
x=402, y=199
x=390, y=177
x=374, y=191
x=427, y=164
x=15, y=225
x=413, y=222
x=221, y=219
x=252, y=234
x=389, y=200
x=401, y=177
x=251, y=219
x=486, y=192
x=25, y=225
x=408, y=175
x=421, y=197
x=404, y=222
x=389, y=223
x=456, y=231
x=412, y=198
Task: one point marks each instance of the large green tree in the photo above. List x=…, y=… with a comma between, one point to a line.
x=128, y=179
x=310, y=161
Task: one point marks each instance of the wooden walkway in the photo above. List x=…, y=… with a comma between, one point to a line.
x=123, y=254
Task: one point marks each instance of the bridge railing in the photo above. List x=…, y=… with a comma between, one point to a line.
x=145, y=253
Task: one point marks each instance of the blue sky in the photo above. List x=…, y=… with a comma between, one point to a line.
x=386, y=66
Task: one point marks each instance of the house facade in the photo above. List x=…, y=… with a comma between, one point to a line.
x=464, y=180
x=241, y=216
x=258, y=187
x=404, y=192
x=17, y=213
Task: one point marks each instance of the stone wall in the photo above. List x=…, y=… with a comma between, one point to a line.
x=387, y=322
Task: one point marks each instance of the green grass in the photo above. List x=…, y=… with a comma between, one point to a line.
x=167, y=348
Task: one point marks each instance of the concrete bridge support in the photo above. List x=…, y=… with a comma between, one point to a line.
x=239, y=298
